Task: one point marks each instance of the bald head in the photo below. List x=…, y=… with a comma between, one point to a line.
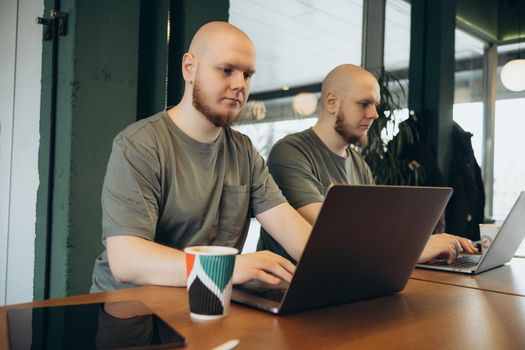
x=214, y=35
x=343, y=78
x=219, y=44
x=217, y=72
x=349, y=96
x=342, y=81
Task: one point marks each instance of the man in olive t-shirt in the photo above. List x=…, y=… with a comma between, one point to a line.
x=183, y=177
x=305, y=164
x=304, y=168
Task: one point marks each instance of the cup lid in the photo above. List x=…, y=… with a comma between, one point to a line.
x=211, y=250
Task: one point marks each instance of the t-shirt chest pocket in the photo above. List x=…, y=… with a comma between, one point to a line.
x=234, y=206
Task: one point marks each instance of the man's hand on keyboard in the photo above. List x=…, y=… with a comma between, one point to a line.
x=264, y=266
x=447, y=245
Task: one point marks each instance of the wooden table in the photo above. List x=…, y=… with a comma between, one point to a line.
x=425, y=315
x=508, y=279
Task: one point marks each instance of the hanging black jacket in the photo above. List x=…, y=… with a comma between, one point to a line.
x=465, y=211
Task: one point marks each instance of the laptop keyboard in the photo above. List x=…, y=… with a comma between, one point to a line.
x=461, y=261
x=270, y=294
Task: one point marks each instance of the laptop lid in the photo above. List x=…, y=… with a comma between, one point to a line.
x=508, y=239
x=364, y=244
x=502, y=248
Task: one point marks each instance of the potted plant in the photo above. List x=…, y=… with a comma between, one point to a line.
x=390, y=154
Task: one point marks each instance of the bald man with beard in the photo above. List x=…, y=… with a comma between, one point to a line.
x=307, y=163
x=183, y=177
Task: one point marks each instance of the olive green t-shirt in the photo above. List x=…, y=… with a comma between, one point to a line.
x=304, y=168
x=166, y=187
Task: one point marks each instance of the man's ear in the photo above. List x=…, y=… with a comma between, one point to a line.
x=331, y=102
x=189, y=65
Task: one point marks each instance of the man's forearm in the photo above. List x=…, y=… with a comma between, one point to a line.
x=310, y=212
x=288, y=228
x=139, y=261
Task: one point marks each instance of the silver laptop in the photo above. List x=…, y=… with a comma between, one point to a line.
x=500, y=251
x=364, y=244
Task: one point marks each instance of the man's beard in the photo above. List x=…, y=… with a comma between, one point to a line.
x=199, y=102
x=350, y=138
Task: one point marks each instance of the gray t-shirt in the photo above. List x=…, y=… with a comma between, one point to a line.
x=304, y=168
x=166, y=187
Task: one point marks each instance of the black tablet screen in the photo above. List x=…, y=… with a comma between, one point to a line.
x=118, y=325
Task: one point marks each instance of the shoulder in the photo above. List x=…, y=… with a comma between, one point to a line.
x=144, y=132
x=297, y=138
x=293, y=145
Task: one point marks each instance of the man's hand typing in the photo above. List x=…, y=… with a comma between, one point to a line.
x=265, y=266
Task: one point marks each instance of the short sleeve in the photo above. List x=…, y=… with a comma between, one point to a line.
x=265, y=193
x=131, y=193
x=293, y=173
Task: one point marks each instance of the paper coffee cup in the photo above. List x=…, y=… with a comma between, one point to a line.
x=487, y=232
x=209, y=271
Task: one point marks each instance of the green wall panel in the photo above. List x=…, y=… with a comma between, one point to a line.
x=111, y=72
x=186, y=17
x=96, y=98
x=103, y=95
x=431, y=74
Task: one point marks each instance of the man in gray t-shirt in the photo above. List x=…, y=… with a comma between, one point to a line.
x=304, y=168
x=305, y=164
x=183, y=177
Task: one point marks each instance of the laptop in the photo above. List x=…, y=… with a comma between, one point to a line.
x=364, y=244
x=501, y=250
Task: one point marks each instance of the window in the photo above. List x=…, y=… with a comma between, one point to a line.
x=297, y=43
x=509, y=167
x=397, y=57
x=397, y=36
x=468, y=95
